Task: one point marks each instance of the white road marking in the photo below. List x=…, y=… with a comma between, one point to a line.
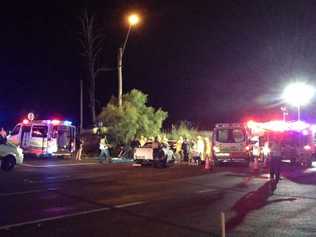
x=26, y=192
x=129, y=204
x=58, y=165
x=6, y=227
x=206, y=190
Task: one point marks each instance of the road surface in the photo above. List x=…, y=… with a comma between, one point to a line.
x=60, y=198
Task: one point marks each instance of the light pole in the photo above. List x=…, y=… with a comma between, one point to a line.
x=132, y=20
x=298, y=94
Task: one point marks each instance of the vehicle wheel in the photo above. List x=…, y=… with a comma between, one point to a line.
x=156, y=163
x=308, y=163
x=8, y=163
x=247, y=163
x=164, y=163
x=216, y=163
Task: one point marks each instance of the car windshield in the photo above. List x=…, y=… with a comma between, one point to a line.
x=230, y=135
x=148, y=145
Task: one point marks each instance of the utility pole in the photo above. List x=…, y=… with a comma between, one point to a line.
x=81, y=105
x=133, y=20
x=119, y=73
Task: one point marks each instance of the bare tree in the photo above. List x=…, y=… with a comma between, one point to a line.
x=91, y=40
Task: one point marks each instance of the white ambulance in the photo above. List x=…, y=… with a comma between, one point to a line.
x=45, y=137
x=230, y=143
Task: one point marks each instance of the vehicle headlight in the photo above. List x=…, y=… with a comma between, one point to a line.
x=216, y=149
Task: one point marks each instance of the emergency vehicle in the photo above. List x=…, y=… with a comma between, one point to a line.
x=296, y=138
x=230, y=143
x=44, y=137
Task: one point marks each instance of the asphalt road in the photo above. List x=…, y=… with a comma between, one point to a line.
x=67, y=198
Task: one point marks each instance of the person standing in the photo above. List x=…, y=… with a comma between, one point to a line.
x=179, y=149
x=80, y=148
x=104, y=150
x=200, y=149
x=186, y=149
x=207, y=149
x=275, y=159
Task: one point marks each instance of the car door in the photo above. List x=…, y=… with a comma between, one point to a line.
x=14, y=136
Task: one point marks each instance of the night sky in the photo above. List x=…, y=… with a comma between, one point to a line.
x=202, y=61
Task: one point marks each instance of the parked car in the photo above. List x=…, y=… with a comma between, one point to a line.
x=10, y=155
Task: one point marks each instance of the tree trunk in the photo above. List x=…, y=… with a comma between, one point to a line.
x=92, y=100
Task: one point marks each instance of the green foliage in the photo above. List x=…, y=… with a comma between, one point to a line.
x=134, y=119
x=184, y=129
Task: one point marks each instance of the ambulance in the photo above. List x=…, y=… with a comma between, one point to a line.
x=45, y=138
x=230, y=143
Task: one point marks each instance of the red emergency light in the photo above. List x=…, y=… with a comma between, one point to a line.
x=55, y=122
x=25, y=121
x=280, y=126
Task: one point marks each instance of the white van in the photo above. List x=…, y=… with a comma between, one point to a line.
x=230, y=143
x=44, y=137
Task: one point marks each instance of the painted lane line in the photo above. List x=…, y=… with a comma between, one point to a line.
x=207, y=190
x=129, y=204
x=26, y=192
x=6, y=227
x=59, y=165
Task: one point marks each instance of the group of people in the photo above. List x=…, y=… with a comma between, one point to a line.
x=193, y=151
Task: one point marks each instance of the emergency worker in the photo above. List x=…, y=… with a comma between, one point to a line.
x=275, y=159
x=207, y=149
x=142, y=140
x=179, y=148
x=200, y=147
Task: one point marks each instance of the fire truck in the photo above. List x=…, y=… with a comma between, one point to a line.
x=297, y=140
x=230, y=143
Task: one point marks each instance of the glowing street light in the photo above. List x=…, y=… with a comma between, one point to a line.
x=133, y=20
x=298, y=94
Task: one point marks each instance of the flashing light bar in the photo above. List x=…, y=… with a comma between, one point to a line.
x=54, y=122
x=279, y=126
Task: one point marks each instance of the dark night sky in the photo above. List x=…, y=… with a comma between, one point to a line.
x=203, y=61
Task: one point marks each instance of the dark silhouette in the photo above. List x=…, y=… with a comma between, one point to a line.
x=252, y=201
